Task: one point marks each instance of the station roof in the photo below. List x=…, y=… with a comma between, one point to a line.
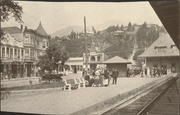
x=116, y=60
x=163, y=41
x=168, y=13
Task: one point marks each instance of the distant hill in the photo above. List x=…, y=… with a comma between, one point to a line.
x=77, y=29
x=109, y=23
x=66, y=31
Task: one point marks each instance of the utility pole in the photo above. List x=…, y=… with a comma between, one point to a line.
x=85, y=40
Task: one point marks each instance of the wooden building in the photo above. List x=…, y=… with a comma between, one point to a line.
x=164, y=54
x=117, y=63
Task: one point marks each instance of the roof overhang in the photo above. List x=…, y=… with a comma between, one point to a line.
x=168, y=13
x=117, y=63
x=157, y=56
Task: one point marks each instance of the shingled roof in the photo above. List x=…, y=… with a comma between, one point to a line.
x=116, y=59
x=12, y=30
x=163, y=41
x=40, y=29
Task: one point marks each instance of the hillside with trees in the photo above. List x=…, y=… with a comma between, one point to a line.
x=114, y=40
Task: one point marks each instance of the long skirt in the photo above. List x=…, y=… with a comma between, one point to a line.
x=96, y=80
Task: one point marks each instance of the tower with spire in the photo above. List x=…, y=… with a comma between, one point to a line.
x=37, y=41
x=40, y=29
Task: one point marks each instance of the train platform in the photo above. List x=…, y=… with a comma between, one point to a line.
x=71, y=102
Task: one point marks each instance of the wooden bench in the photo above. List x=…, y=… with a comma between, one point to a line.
x=70, y=84
x=81, y=82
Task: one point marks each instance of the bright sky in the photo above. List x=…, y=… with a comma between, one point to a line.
x=57, y=15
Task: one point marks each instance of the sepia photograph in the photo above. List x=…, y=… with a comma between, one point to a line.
x=90, y=58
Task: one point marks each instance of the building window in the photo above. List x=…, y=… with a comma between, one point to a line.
x=174, y=48
x=99, y=58
x=19, y=54
x=31, y=40
x=173, y=68
x=38, y=54
x=80, y=67
x=47, y=44
x=3, y=52
x=32, y=52
x=160, y=50
x=11, y=53
x=7, y=52
x=15, y=53
x=43, y=44
x=37, y=43
x=27, y=52
x=27, y=39
x=22, y=53
x=164, y=69
x=92, y=58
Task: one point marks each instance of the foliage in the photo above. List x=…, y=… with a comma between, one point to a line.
x=55, y=53
x=130, y=27
x=112, y=28
x=8, y=8
x=115, y=45
x=147, y=35
x=73, y=35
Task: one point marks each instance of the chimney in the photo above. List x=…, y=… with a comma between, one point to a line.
x=21, y=27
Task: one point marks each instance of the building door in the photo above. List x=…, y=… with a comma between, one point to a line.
x=14, y=71
x=164, y=69
x=28, y=70
x=92, y=66
x=21, y=71
x=173, y=68
x=2, y=68
x=74, y=69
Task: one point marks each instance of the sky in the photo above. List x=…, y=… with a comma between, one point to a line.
x=57, y=15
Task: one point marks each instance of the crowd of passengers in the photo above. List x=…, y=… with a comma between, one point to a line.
x=97, y=76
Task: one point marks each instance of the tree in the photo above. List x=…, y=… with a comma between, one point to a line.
x=10, y=8
x=130, y=27
x=93, y=30
x=112, y=29
x=55, y=54
x=72, y=35
x=122, y=27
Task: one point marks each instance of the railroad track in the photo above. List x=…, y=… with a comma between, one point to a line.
x=142, y=102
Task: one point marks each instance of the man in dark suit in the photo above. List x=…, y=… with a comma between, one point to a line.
x=115, y=74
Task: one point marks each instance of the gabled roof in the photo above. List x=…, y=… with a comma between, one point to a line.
x=163, y=41
x=92, y=49
x=40, y=29
x=116, y=59
x=12, y=30
x=75, y=59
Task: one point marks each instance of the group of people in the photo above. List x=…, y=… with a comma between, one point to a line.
x=100, y=77
x=146, y=72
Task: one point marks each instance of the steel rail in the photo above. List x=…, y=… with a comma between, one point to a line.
x=149, y=89
x=154, y=101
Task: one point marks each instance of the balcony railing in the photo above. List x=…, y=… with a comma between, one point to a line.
x=29, y=59
x=10, y=59
x=30, y=45
x=6, y=59
x=18, y=59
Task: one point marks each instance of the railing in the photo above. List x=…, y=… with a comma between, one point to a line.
x=18, y=59
x=31, y=45
x=29, y=58
x=9, y=59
